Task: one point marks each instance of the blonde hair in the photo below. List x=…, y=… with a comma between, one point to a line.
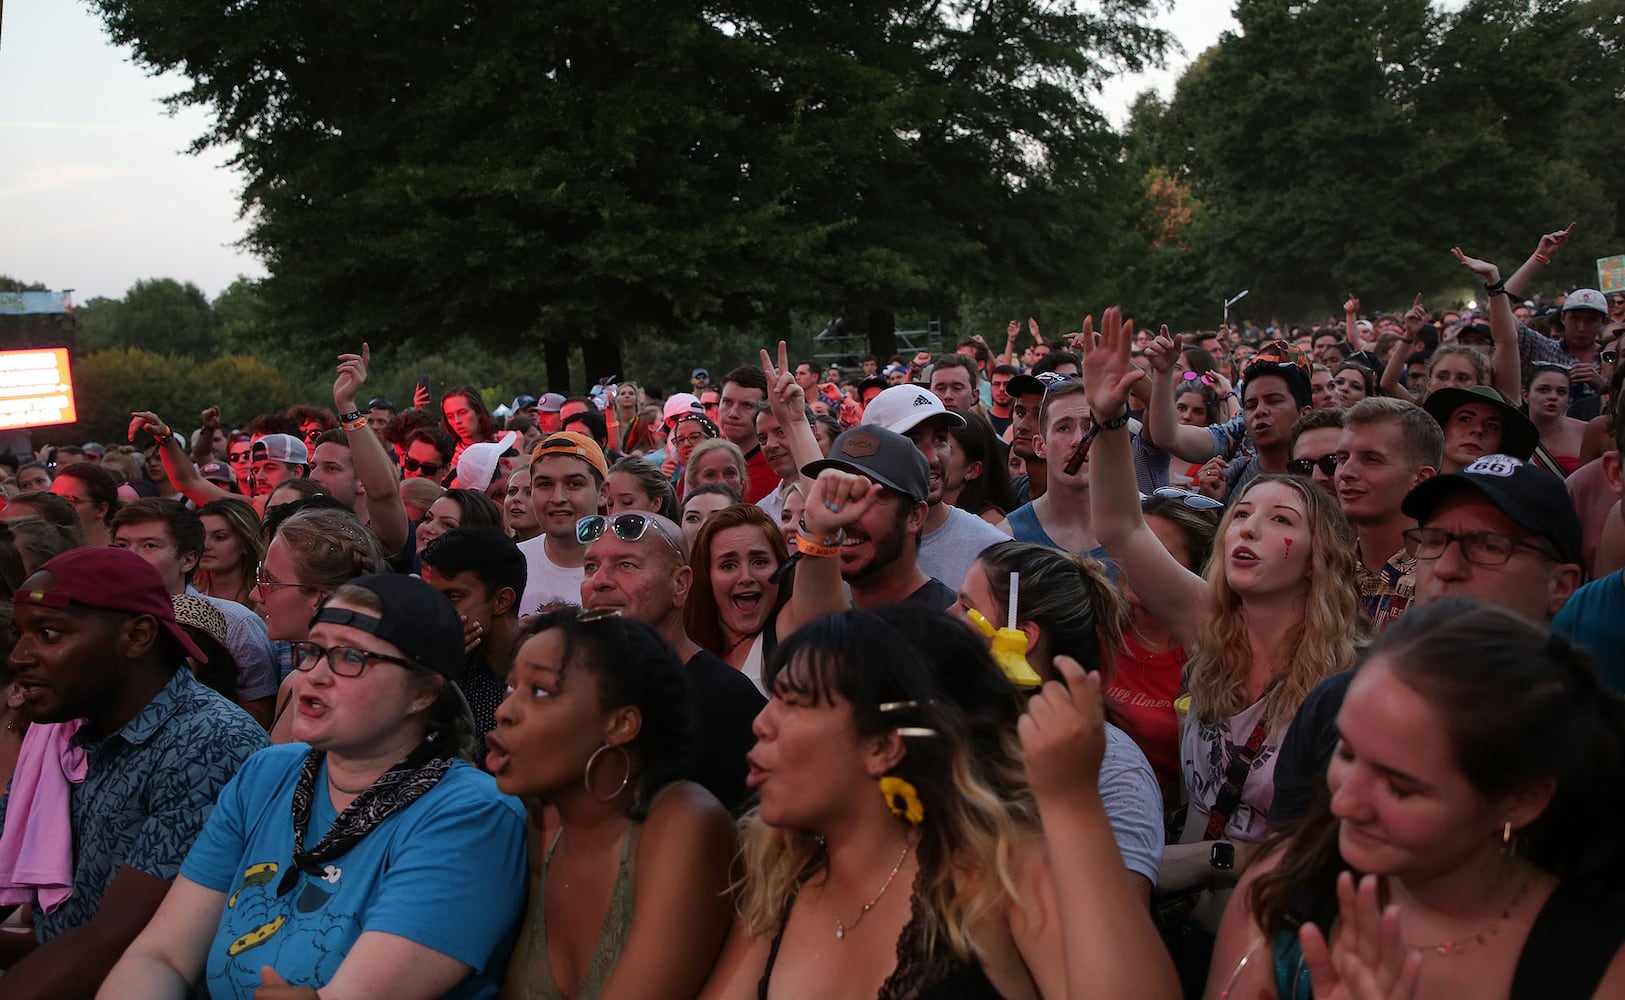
x=1483, y=369
x=968, y=774
x=1067, y=594
x=691, y=474
x=1320, y=643
x=330, y=547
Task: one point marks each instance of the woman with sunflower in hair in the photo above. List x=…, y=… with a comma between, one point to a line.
x=917, y=835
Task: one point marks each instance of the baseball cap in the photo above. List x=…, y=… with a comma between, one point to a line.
x=873, y=382
x=699, y=373
x=112, y=580
x=1586, y=298
x=1519, y=435
x=478, y=462
x=281, y=448
x=884, y=456
x=1533, y=498
x=1028, y=384
x=415, y=617
x=522, y=402
x=93, y=448
x=679, y=404
x=896, y=370
x=196, y=612
x=551, y=402
x=901, y=408
x=218, y=472
x=380, y=403
x=576, y=446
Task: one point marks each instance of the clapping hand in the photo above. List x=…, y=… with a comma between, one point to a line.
x=1367, y=960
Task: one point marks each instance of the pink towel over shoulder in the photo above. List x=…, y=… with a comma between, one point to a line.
x=36, y=846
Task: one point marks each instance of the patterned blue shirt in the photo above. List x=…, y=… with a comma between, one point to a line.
x=147, y=790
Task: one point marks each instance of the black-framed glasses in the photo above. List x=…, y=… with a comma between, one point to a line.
x=1327, y=464
x=266, y=583
x=344, y=661
x=429, y=469
x=1193, y=500
x=1482, y=548
x=628, y=527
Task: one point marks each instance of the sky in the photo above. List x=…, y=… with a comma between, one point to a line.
x=97, y=189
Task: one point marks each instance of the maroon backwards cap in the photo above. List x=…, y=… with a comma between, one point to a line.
x=113, y=580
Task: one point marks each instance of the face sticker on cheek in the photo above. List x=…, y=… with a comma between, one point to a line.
x=1288, y=543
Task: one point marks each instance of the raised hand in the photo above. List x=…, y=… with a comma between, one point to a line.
x=146, y=420
x=1013, y=329
x=352, y=376
x=1483, y=268
x=1107, y=370
x=1352, y=306
x=784, y=393
x=210, y=417
x=1367, y=960
x=1164, y=351
x=837, y=499
x=422, y=398
x=1416, y=316
x=1553, y=242
x=1032, y=328
x=1063, y=732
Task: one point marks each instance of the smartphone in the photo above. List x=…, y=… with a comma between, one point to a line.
x=426, y=386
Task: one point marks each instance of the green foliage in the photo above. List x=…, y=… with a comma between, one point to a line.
x=159, y=314
x=109, y=384
x=555, y=174
x=10, y=284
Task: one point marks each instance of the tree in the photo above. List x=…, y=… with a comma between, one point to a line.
x=553, y=174
x=157, y=314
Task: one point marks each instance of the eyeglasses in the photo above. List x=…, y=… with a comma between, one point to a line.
x=628, y=527
x=1195, y=501
x=429, y=469
x=266, y=583
x=344, y=661
x=1327, y=464
x=1610, y=357
x=1482, y=548
x=238, y=456
x=1208, y=378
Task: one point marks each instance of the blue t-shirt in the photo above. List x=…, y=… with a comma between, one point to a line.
x=447, y=872
x=1594, y=619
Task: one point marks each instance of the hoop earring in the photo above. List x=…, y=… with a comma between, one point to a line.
x=586, y=775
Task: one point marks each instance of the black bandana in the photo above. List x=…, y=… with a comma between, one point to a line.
x=395, y=789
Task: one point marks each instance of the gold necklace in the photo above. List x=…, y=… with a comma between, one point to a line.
x=841, y=927
x=1456, y=947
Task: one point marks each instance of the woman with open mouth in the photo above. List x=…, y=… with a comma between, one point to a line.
x=597, y=726
x=734, y=605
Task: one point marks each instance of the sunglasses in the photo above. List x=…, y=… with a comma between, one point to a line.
x=628, y=527
x=1327, y=464
x=1195, y=501
x=429, y=469
x=1610, y=357
x=1207, y=378
x=238, y=456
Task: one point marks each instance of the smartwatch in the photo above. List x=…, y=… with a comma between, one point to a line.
x=1222, y=856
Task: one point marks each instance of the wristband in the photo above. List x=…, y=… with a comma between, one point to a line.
x=1541, y=257
x=351, y=417
x=826, y=541
x=355, y=425
x=1230, y=395
x=1110, y=425
x=1495, y=288
x=807, y=547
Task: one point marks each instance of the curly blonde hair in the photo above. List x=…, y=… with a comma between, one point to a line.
x=1320, y=643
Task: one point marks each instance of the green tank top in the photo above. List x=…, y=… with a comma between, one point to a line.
x=530, y=974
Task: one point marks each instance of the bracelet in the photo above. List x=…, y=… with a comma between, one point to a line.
x=355, y=425
x=1110, y=425
x=1499, y=286
x=1493, y=292
x=1541, y=257
x=807, y=547
x=1230, y=395
x=831, y=541
x=351, y=417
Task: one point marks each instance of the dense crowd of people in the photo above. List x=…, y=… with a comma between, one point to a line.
x=1239, y=662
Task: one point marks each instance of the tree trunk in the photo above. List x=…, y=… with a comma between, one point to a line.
x=601, y=358
x=556, y=356
x=882, y=327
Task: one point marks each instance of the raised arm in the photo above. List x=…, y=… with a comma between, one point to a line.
x=203, y=447
x=1189, y=444
x=1399, y=357
x=1351, y=324
x=1503, y=325
x=183, y=475
x=1109, y=946
x=1172, y=593
x=1009, y=355
x=373, y=468
x=1545, y=250
x=837, y=499
x=789, y=403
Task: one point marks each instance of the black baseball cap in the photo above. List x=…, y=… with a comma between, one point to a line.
x=416, y=617
x=1533, y=498
x=882, y=456
x=380, y=403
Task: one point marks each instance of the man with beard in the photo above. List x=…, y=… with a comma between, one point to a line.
x=99, y=652
x=951, y=538
x=879, y=537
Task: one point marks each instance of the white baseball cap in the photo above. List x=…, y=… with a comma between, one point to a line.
x=902, y=408
x=1586, y=298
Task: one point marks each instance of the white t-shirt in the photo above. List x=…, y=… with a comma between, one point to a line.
x=546, y=582
x=949, y=552
x=1206, y=751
